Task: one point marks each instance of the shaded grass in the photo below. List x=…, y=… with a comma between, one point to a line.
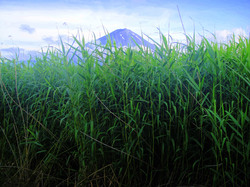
x=178, y=115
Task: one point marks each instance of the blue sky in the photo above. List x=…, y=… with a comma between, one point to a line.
x=32, y=24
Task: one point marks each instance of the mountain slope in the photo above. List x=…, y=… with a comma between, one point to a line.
x=124, y=38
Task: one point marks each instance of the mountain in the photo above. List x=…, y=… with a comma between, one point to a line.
x=19, y=53
x=124, y=38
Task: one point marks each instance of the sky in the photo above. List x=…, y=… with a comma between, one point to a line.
x=33, y=24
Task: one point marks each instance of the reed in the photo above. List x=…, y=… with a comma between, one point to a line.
x=178, y=115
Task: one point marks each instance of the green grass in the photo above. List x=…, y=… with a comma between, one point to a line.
x=176, y=116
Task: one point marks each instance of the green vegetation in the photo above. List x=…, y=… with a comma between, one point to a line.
x=176, y=116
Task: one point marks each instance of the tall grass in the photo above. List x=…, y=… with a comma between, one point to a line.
x=178, y=115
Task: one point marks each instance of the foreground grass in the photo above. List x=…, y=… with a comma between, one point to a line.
x=176, y=116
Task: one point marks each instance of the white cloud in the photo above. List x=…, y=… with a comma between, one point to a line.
x=239, y=32
x=225, y=35
x=222, y=34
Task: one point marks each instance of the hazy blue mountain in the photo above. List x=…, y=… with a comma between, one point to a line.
x=20, y=54
x=124, y=38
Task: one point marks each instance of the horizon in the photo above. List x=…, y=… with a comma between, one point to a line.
x=29, y=25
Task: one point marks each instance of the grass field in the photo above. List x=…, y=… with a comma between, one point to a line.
x=175, y=116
